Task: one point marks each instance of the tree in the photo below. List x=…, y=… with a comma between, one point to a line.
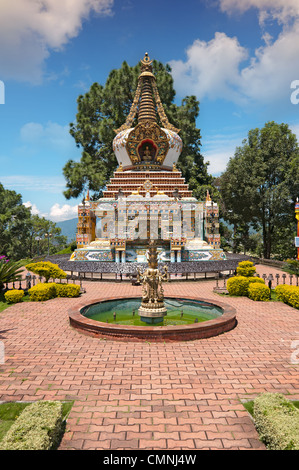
x=38, y=242
x=47, y=270
x=19, y=229
x=260, y=185
x=105, y=108
x=15, y=220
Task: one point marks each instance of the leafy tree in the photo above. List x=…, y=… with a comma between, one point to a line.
x=260, y=185
x=38, y=243
x=19, y=229
x=15, y=222
x=105, y=108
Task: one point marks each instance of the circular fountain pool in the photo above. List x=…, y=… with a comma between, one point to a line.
x=125, y=312
x=187, y=318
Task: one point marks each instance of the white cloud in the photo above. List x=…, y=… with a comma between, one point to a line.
x=65, y=212
x=217, y=69
x=30, y=29
x=57, y=213
x=281, y=10
x=34, y=209
x=211, y=68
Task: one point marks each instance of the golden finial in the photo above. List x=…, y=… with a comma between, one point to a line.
x=120, y=168
x=146, y=60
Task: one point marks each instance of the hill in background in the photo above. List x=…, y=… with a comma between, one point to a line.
x=68, y=228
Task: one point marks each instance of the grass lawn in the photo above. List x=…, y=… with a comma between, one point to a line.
x=4, y=304
x=10, y=411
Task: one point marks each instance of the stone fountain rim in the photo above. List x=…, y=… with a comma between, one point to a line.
x=206, y=329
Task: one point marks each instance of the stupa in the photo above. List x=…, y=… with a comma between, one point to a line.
x=147, y=198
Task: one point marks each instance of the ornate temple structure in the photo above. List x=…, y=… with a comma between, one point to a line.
x=147, y=198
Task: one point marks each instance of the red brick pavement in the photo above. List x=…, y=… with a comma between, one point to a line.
x=185, y=395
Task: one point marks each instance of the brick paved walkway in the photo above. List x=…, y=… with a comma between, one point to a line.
x=151, y=396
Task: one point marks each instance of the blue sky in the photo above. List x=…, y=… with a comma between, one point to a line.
x=239, y=57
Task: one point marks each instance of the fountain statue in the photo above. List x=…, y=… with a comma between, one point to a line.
x=152, y=309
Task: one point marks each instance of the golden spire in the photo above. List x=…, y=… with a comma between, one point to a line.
x=146, y=110
x=143, y=103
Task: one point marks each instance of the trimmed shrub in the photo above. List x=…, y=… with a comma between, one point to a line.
x=42, y=291
x=277, y=421
x=288, y=294
x=283, y=292
x=67, y=290
x=258, y=291
x=46, y=291
x=246, y=268
x=14, y=296
x=47, y=270
x=39, y=427
x=238, y=285
x=294, y=298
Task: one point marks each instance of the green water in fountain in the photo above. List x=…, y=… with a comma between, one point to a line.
x=179, y=312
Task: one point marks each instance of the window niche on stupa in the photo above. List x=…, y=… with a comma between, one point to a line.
x=147, y=151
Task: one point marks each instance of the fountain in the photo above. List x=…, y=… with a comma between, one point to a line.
x=159, y=319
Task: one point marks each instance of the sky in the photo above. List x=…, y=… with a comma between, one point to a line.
x=239, y=57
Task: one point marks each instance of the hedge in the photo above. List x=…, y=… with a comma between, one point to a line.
x=288, y=294
x=277, y=421
x=39, y=427
x=238, y=285
x=14, y=296
x=46, y=291
x=67, y=290
x=42, y=291
x=259, y=292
